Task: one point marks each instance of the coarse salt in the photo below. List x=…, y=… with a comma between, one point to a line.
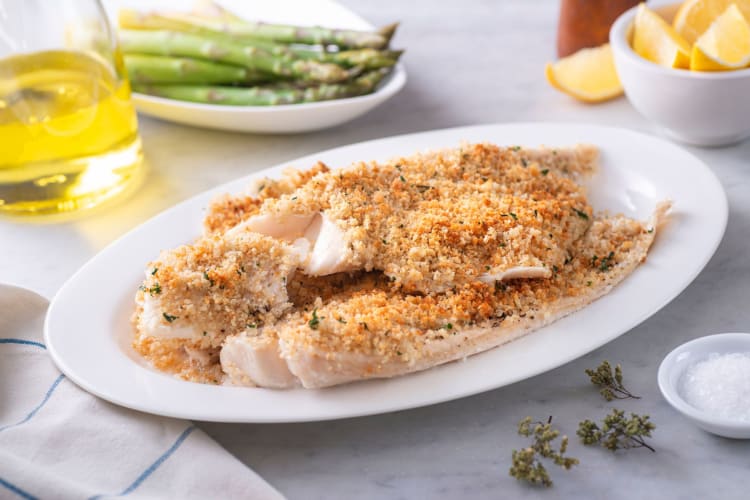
x=720, y=385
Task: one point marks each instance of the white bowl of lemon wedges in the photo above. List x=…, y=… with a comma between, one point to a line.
x=686, y=68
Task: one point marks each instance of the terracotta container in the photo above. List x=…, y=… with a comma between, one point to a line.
x=586, y=23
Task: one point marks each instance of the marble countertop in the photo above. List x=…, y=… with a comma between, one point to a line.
x=468, y=62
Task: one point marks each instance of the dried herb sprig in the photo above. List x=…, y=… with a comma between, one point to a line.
x=609, y=382
x=617, y=431
x=527, y=464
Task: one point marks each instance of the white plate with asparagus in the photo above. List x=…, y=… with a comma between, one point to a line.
x=281, y=66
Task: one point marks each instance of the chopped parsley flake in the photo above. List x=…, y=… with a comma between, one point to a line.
x=210, y=281
x=545, y=171
x=447, y=326
x=524, y=162
x=606, y=262
x=169, y=317
x=153, y=271
x=581, y=214
x=516, y=148
x=154, y=290
x=314, y=323
x=402, y=178
x=515, y=217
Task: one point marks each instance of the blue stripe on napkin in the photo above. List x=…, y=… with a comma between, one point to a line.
x=15, y=489
x=23, y=342
x=154, y=466
x=39, y=406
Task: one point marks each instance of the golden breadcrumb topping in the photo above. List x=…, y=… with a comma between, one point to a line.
x=221, y=284
x=227, y=211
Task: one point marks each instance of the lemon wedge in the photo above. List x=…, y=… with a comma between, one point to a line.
x=588, y=75
x=725, y=45
x=657, y=41
x=695, y=16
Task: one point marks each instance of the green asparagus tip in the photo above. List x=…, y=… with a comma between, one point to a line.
x=388, y=31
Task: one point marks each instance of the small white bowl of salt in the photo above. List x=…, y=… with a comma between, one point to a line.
x=708, y=381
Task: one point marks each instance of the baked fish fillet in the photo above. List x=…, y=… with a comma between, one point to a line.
x=437, y=220
x=373, y=332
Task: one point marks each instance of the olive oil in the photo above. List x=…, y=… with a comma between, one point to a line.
x=68, y=132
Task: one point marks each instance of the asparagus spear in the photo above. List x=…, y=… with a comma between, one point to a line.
x=251, y=30
x=135, y=20
x=169, y=43
x=365, y=58
x=210, y=9
x=163, y=69
x=268, y=95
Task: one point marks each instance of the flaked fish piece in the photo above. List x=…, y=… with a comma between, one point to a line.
x=255, y=360
x=376, y=333
x=433, y=221
x=218, y=286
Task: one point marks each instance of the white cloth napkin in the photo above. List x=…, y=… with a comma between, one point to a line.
x=58, y=441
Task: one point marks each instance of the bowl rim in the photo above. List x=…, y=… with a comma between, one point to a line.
x=672, y=394
x=618, y=41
